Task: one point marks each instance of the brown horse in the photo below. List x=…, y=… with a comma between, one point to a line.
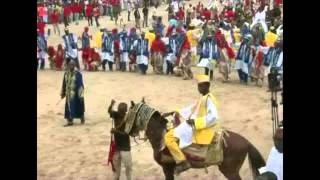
x=233, y=157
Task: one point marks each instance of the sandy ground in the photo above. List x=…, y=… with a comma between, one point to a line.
x=78, y=152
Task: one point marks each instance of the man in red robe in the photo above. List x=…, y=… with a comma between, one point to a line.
x=185, y=59
x=207, y=14
x=180, y=15
x=89, y=13
x=51, y=54
x=116, y=46
x=158, y=49
x=40, y=26
x=66, y=14
x=59, y=58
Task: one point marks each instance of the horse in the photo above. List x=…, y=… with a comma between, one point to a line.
x=235, y=149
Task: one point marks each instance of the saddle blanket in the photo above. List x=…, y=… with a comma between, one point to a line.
x=211, y=154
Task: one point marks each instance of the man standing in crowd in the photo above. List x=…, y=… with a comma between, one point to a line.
x=142, y=48
x=85, y=39
x=71, y=47
x=137, y=17
x=209, y=55
x=66, y=14
x=240, y=58
x=116, y=9
x=54, y=18
x=158, y=48
x=145, y=12
x=124, y=50
x=107, y=50
x=89, y=13
x=96, y=14
x=132, y=53
x=42, y=49
x=129, y=9
x=41, y=26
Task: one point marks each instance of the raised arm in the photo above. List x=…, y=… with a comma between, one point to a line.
x=111, y=106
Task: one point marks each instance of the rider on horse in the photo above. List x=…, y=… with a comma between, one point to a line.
x=200, y=118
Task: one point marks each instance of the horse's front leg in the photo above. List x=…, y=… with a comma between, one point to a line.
x=168, y=170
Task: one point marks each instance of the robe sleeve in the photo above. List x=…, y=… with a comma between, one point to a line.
x=209, y=119
x=134, y=45
x=185, y=112
x=63, y=90
x=75, y=40
x=80, y=85
x=280, y=61
x=121, y=45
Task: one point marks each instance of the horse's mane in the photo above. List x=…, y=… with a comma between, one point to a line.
x=155, y=131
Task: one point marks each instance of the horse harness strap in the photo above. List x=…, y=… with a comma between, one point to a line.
x=138, y=118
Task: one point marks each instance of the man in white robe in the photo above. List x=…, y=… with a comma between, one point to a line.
x=275, y=159
x=71, y=47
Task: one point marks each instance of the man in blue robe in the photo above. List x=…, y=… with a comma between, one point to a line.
x=172, y=51
x=71, y=48
x=124, y=50
x=73, y=90
x=132, y=53
x=142, y=49
x=242, y=59
x=274, y=57
x=86, y=38
x=107, y=50
x=209, y=54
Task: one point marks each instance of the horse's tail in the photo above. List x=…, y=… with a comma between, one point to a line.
x=256, y=160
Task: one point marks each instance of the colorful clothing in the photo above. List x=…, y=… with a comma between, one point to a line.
x=59, y=58
x=107, y=48
x=151, y=37
x=273, y=58
x=271, y=38
x=70, y=44
x=85, y=40
x=243, y=61
x=205, y=116
x=98, y=39
x=73, y=88
x=209, y=53
x=142, y=50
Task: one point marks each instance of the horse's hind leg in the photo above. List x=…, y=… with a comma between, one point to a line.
x=230, y=167
x=168, y=171
x=229, y=173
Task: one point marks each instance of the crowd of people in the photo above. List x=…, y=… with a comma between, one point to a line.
x=244, y=36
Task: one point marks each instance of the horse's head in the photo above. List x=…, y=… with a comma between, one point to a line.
x=141, y=117
x=133, y=103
